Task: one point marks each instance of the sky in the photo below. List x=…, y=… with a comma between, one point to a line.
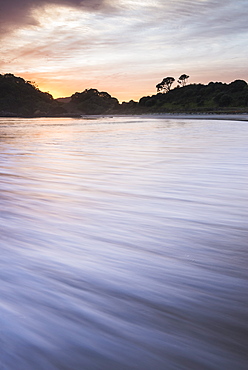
x=124, y=47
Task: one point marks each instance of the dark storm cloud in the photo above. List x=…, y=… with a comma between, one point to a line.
x=16, y=13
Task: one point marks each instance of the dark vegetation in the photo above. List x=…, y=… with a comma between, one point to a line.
x=165, y=85
x=94, y=102
x=214, y=97
x=22, y=98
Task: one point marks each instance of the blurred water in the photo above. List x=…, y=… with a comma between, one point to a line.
x=123, y=244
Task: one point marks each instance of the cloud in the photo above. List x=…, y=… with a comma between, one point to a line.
x=102, y=43
x=195, y=17
x=16, y=13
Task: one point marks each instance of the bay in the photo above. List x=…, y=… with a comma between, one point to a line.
x=123, y=243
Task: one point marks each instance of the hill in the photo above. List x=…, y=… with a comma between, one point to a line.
x=216, y=96
x=23, y=99
x=92, y=101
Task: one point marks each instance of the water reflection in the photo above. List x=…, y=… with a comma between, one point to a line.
x=123, y=244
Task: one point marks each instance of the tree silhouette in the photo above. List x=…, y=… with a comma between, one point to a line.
x=183, y=79
x=165, y=85
x=92, y=101
x=160, y=87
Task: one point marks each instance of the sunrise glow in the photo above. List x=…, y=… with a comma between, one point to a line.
x=124, y=47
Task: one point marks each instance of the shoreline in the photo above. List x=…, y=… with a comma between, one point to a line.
x=215, y=116
x=218, y=116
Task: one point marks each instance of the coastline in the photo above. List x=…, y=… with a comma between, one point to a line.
x=221, y=116
x=215, y=116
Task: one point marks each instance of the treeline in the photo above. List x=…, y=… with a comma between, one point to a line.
x=216, y=96
x=23, y=99
x=93, y=101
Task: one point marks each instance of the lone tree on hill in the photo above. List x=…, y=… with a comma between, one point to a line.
x=183, y=79
x=160, y=87
x=165, y=85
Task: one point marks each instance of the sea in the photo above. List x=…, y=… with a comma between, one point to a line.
x=124, y=243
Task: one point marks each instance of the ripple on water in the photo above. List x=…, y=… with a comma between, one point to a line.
x=123, y=244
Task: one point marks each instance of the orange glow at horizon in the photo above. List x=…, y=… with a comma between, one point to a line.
x=67, y=91
x=60, y=88
x=124, y=49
